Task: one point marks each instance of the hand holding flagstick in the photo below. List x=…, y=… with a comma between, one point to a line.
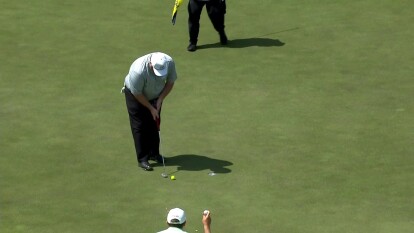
x=175, y=9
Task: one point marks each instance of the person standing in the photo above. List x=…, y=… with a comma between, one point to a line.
x=149, y=81
x=216, y=9
x=176, y=220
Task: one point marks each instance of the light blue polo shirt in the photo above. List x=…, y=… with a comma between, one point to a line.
x=142, y=80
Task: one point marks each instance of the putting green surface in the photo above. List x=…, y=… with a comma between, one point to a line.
x=306, y=117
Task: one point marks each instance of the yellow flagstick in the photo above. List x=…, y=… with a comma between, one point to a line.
x=175, y=9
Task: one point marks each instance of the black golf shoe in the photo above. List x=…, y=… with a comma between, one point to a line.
x=191, y=47
x=223, y=38
x=145, y=165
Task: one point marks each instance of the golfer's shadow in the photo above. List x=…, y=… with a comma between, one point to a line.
x=191, y=162
x=247, y=42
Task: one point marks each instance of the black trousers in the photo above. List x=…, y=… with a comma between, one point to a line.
x=143, y=127
x=216, y=9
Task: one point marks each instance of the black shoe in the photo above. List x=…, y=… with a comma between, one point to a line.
x=223, y=38
x=191, y=48
x=145, y=165
x=158, y=158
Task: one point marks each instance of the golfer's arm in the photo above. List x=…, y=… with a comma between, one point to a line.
x=207, y=229
x=167, y=89
x=143, y=100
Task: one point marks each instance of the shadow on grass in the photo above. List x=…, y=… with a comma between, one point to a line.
x=191, y=162
x=243, y=43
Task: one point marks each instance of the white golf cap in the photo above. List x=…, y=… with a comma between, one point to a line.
x=176, y=216
x=159, y=63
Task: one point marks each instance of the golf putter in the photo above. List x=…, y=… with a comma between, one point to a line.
x=163, y=162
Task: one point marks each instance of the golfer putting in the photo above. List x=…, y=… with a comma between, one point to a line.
x=149, y=81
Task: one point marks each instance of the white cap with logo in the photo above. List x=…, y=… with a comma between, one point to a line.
x=176, y=216
x=159, y=63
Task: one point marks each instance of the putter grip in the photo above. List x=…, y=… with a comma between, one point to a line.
x=158, y=122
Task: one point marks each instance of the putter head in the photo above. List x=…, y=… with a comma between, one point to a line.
x=164, y=175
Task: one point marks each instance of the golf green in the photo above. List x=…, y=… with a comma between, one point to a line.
x=306, y=117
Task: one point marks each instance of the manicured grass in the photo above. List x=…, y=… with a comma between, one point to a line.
x=306, y=117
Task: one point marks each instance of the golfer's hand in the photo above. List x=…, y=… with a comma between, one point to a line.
x=154, y=113
x=206, y=219
x=159, y=104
